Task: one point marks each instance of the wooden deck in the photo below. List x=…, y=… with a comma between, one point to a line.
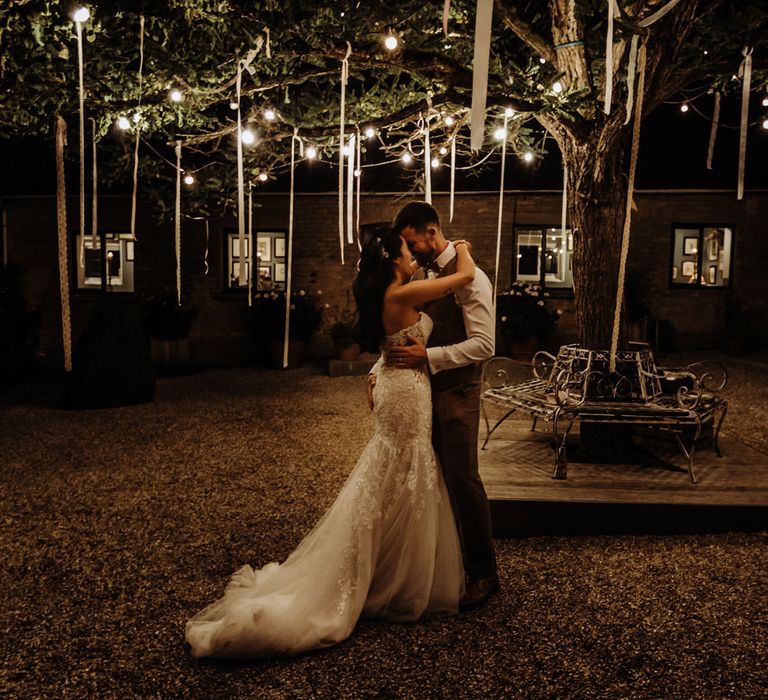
x=650, y=493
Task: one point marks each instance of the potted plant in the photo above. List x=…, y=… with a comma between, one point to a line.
x=169, y=323
x=523, y=319
x=269, y=316
x=341, y=327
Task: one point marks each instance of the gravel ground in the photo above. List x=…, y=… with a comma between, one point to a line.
x=119, y=524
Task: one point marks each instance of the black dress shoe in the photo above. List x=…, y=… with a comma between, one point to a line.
x=478, y=592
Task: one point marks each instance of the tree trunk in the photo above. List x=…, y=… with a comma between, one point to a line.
x=596, y=204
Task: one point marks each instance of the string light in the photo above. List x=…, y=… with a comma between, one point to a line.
x=233, y=105
x=311, y=153
x=356, y=172
x=509, y=112
x=390, y=41
x=406, y=158
x=765, y=102
x=500, y=134
x=435, y=163
x=449, y=120
x=684, y=107
x=176, y=95
x=443, y=150
x=528, y=156
x=269, y=114
x=81, y=14
x=557, y=87
x=370, y=132
x=123, y=123
x=189, y=180
x=765, y=124
x=247, y=137
x=136, y=117
x=263, y=177
x=542, y=61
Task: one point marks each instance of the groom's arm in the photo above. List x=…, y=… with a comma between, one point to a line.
x=479, y=322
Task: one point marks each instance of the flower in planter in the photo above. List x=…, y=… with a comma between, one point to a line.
x=522, y=313
x=305, y=317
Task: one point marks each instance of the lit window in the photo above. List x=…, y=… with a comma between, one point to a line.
x=109, y=265
x=701, y=256
x=267, y=258
x=544, y=256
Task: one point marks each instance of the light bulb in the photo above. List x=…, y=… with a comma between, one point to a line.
x=443, y=150
x=683, y=107
x=528, y=157
x=706, y=52
x=390, y=42
x=449, y=121
x=435, y=163
x=269, y=114
x=765, y=124
x=542, y=60
x=263, y=177
x=370, y=132
x=406, y=157
x=356, y=172
x=189, y=180
x=346, y=151
x=765, y=102
x=247, y=137
x=136, y=117
x=557, y=87
x=176, y=95
x=123, y=123
x=500, y=134
x=311, y=153
x=233, y=105
x=81, y=15
x=509, y=112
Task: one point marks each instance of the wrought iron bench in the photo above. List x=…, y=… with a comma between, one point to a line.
x=577, y=384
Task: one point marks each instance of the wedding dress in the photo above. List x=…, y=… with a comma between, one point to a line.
x=386, y=548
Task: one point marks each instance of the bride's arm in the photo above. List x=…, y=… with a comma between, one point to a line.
x=420, y=291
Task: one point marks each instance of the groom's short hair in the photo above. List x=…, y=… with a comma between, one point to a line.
x=416, y=214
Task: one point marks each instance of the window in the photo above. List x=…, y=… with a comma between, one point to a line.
x=107, y=266
x=543, y=256
x=701, y=256
x=268, y=259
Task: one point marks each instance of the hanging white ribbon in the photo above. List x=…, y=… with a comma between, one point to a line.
x=289, y=258
x=207, y=238
x=609, y=59
x=138, y=131
x=351, y=188
x=240, y=182
x=713, y=130
x=501, y=211
x=94, y=195
x=177, y=227
x=251, y=272
x=453, y=176
x=631, y=70
x=268, y=42
x=628, y=208
x=564, y=205
x=342, y=118
x=359, y=183
x=427, y=164
x=648, y=21
x=61, y=225
x=480, y=72
x=745, y=73
x=79, y=29
x=446, y=14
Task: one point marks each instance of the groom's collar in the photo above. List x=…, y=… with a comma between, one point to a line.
x=444, y=258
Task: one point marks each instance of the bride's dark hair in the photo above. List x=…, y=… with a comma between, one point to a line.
x=375, y=272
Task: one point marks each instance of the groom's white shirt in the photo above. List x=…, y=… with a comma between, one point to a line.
x=476, y=301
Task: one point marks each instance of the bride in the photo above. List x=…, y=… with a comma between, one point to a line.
x=388, y=545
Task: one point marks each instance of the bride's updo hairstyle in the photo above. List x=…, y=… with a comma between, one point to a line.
x=375, y=272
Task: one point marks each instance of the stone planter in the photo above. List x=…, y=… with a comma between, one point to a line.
x=170, y=353
x=347, y=353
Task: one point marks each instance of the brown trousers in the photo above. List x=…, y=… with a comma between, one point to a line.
x=455, y=425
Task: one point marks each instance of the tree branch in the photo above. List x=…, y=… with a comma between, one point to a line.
x=524, y=30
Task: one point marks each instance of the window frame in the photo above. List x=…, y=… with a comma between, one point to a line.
x=273, y=233
x=105, y=286
x=553, y=291
x=672, y=282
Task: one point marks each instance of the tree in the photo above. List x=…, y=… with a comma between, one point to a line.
x=195, y=46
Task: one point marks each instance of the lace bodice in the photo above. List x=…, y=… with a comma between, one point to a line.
x=419, y=330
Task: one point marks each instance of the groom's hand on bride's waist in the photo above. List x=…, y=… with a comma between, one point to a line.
x=409, y=356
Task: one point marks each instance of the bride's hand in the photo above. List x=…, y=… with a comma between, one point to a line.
x=461, y=241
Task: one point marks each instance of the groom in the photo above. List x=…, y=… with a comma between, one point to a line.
x=462, y=338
